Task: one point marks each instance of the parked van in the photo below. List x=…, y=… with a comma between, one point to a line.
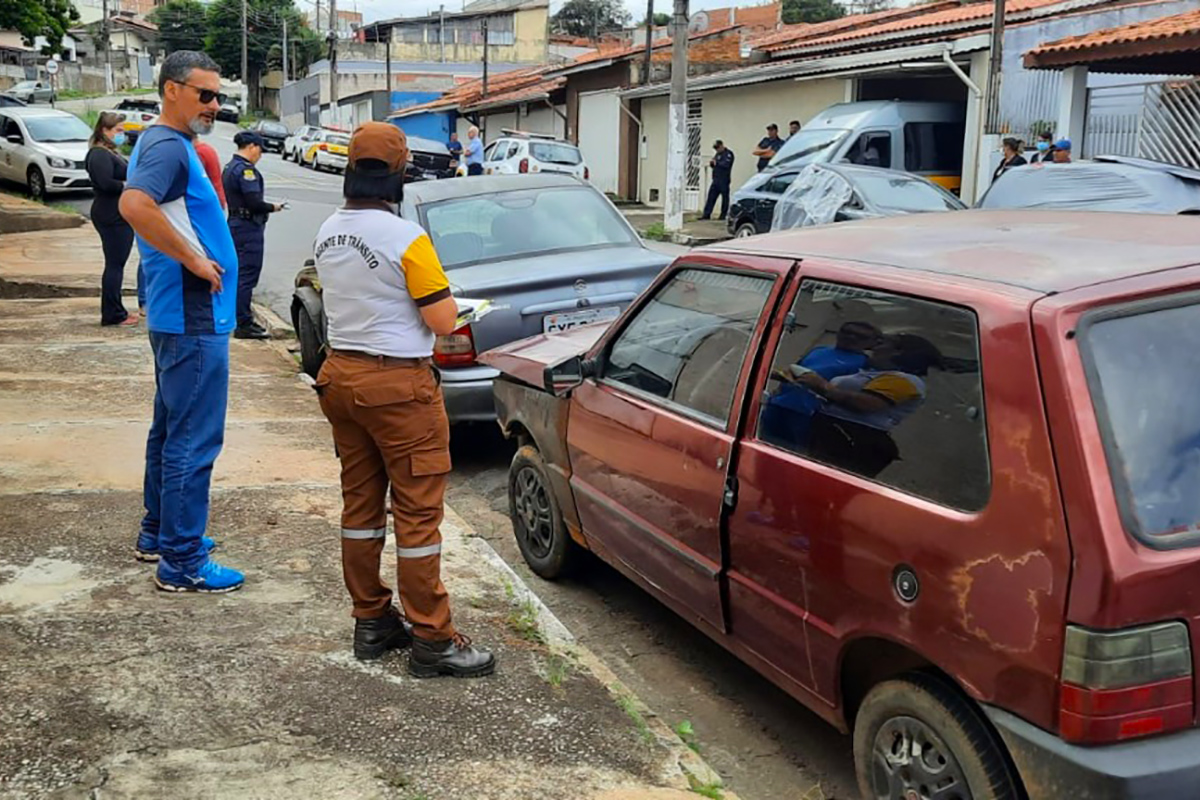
x=925, y=138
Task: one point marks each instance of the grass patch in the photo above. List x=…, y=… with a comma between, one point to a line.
x=89, y=117
x=629, y=706
x=556, y=670
x=712, y=790
x=687, y=733
x=75, y=94
x=524, y=622
x=62, y=208
x=657, y=232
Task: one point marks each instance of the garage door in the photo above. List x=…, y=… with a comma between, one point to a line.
x=599, y=137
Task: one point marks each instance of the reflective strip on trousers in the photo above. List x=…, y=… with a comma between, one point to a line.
x=370, y=533
x=419, y=552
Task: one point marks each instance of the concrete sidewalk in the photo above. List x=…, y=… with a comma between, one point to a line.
x=19, y=215
x=109, y=689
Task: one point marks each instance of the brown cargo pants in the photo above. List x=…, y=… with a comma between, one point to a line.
x=390, y=426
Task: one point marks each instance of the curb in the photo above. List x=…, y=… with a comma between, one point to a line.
x=275, y=324
x=686, y=768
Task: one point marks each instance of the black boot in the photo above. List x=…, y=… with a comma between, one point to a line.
x=250, y=332
x=449, y=657
x=374, y=637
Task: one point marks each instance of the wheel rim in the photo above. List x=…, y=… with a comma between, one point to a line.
x=744, y=233
x=534, y=515
x=909, y=761
x=36, y=184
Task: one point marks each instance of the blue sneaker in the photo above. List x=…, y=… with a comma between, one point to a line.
x=209, y=577
x=146, y=548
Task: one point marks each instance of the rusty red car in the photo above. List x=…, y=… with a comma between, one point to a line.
x=935, y=476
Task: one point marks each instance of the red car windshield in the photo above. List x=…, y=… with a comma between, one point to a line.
x=1142, y=362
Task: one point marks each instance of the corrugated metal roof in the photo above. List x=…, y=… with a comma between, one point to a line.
x=804, y=31
x=1176, y=33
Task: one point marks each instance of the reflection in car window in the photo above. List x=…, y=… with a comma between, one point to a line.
x=807, y=146
x=897, y=192
x=871, y=150
x=1144, y=375
x=500, y=225
x=780, y=183
x=882, y=386
x=555, y=153
x=67, y=128
x=687, y=345
x=513, y=149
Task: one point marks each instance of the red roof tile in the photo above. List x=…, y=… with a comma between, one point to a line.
x=1165, y=34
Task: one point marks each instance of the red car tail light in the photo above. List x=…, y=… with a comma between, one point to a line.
x=456, y=349
x=524, y=165
x=324, y=148
x=1119, y=685
x=587, y=174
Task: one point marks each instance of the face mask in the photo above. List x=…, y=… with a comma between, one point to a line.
x=119, y=138
x=1043, y=146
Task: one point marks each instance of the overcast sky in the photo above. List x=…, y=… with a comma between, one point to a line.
x=384, y=9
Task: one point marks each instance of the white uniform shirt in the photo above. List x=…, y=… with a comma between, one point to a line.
x=376, y=271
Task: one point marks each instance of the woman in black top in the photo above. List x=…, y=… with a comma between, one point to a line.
x=1012, y=157
x=106, y=168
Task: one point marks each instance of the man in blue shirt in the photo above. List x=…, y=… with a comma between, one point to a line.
x=455, y=147
x=191, y=289
x=474, y=152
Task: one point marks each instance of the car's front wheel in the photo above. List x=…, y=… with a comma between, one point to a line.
x=916, y=737
x=538, y=524
x=36, y=182
x=745, y=230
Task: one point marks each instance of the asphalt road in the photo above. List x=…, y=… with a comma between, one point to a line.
x=766, y=745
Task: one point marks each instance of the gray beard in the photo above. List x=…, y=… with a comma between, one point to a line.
x=199, y=127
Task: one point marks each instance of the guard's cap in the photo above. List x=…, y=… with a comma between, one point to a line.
x=378, y=147
x=247, y=138
x=1063, y=144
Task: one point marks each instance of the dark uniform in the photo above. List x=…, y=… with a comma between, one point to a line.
x=722, y=170
x=248, y=214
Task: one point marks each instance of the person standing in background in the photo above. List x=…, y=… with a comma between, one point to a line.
x=106, y=169
x=212, y=166
x=248, y=213
x=455, y=147
x=1045, y=149
x=793, y=128
x=1010, y=158
x=722, y=170
x=191, y=271
x=474, y=151
x=1062, y=151
x=768, y=146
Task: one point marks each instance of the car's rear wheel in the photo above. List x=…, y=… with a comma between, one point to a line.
x=537, y=520
x=916, y=737
x=745, y=230
x=312, y=356
x=36, y=182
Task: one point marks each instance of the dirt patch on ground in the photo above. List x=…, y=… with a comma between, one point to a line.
x=36, y=291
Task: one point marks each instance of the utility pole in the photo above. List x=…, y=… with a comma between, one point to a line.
x=285, y=64
x=333, y=78
x=442, y=32
x=387, y=61
x=108, y=76
x=245, y=63
x=995, y=69
x=649, y=42
x=677, y=119
x=483, y=131
x=318, y=18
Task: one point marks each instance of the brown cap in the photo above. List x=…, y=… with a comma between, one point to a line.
x=378, y=141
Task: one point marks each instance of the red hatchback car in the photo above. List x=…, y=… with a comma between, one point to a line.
x=936, y=476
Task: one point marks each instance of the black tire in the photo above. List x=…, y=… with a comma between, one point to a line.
x=537, y=521
x=312, y=355
x=745, y=230
x=955, y=744
x=36, y=182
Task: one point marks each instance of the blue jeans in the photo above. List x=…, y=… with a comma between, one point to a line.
x=141, y=285
x=191, y=375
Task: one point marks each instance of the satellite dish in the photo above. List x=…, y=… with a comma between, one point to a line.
x=698, y=23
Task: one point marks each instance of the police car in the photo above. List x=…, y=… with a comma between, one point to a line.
x=520, y=152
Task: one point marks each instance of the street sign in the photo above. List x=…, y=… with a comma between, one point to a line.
x=52, y=67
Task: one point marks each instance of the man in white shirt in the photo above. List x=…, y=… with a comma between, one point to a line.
x=386, y=297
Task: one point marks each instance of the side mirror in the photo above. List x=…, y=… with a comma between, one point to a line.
x=561, y=378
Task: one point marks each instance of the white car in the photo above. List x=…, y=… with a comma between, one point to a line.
x=327, y=151
x=520, y=153
x=33, y=92
x=43, y=149
x=298, y=142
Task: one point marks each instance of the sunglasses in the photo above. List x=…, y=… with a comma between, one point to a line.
x=206, y=95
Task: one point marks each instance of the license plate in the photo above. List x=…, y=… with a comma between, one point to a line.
x=553, y=323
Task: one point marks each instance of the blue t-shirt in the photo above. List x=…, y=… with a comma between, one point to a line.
x=455, y=148
x=165, y=166
x=474, y=151
x=829, y=363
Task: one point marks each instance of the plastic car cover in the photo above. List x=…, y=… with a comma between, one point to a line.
x=814, y=198
x=1095, y=186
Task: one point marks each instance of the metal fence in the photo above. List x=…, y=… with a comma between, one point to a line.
x=1158, y=120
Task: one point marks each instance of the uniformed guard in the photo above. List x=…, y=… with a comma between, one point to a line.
x=248, y=213
x=722, y=171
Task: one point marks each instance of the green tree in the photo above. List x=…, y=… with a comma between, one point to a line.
x=811, y=11
x=590, y=17
x=264, y=40
x=661, y=19
x=34, y=18
x=182, y=24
